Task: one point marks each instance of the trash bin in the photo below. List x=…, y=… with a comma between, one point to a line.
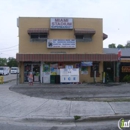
x=57, y=79
x=1, y=79
x=52, y=79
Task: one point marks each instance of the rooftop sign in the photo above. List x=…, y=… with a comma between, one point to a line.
x=61, y=23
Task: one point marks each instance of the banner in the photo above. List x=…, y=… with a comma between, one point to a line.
x=61, y=43
x=86, y=63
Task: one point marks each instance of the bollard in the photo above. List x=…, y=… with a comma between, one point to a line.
x=1, y=79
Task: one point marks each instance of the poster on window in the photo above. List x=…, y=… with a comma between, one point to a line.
x=53, y=69
x=78, y=65
x=55, y=65
x=46, y=68
x=84, y=70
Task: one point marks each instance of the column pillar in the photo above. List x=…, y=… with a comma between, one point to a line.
x=117, y=71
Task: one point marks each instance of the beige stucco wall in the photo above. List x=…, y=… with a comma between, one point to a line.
x=21, y=74
x=25, y=46
x=88, y=79
x=94, y=47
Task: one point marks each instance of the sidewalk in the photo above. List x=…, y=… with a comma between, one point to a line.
x=17, y=106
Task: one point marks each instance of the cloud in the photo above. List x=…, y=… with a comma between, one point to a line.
x=115, y=14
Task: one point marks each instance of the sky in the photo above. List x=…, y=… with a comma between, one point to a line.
x=115, y=15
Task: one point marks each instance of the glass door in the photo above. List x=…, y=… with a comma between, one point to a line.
x=27, y=69
x=36, y=72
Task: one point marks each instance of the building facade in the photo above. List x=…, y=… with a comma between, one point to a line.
x=47, y=44
x=122, y=67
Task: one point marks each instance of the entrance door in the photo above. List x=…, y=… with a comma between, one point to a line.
x=36, y=73
x=109, y=69
x=27, y=69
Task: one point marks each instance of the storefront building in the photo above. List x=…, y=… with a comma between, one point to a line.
x=62, y=46
x=122, y=67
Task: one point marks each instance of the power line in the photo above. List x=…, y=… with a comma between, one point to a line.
x=7, y=50
x=8, y=47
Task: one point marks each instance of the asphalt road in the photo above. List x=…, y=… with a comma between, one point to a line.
x=72, y=91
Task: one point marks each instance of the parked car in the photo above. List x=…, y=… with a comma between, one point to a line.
x=4, y=70
x=14, y=70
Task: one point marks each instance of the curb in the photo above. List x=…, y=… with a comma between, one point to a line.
x=104, y=118
x=72, y=119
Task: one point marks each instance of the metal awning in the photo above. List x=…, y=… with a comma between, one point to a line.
x=38, y=30
x=105, y=36
x=66, y=57
x=85, y=31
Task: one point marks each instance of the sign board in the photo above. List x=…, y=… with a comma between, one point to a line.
x=69, y=79
x=125, y=68
x=69, y=75
x=86, y=63
x=61, y=43
x=61, y=23
x=74, y=71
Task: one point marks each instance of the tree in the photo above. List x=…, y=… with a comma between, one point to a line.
x=120, y=46
x=12, y=62
x=128, y=44
x=112, y=45
x=3, y=61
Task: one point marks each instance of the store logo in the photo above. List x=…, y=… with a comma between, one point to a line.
x=123, y=124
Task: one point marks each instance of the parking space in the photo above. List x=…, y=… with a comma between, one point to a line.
x=10, y=77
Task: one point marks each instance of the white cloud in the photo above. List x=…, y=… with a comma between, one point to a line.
x=115, y=14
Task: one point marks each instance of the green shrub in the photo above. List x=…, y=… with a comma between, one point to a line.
x=126, y=78
x=77, y=117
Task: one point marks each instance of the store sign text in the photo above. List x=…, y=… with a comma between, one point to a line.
x=125, y=68
x=61, y=23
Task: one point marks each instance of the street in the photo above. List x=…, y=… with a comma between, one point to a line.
x=41, y=125
x=75, y=92
x=21, y=112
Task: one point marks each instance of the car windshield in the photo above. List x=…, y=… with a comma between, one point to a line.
x=13, y=68
x=1, y=68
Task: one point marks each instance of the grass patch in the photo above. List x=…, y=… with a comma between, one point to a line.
x=77, y=117
x=125, y=99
